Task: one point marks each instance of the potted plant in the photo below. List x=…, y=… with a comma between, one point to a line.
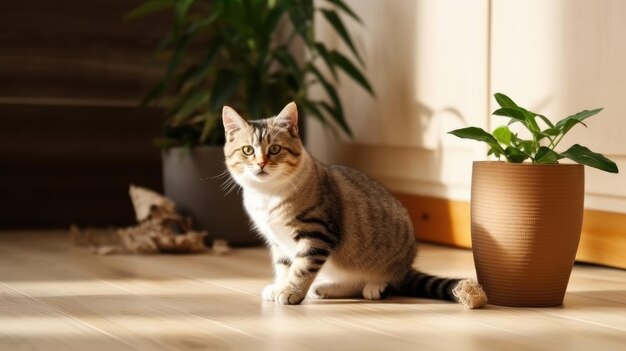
x=526, y=213
x=255, y=56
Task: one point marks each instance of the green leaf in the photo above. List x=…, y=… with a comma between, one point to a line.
x=301, y=16
x=551, y=131
x=338, y=117
x=149, y=7
x=172, y=67
x=479, y=134
x=527, y=146
x=568, y=122
x=512, y=112
x=495, y=152
x=546, y=155
x=337, y=24
x=514, y=155
x=321, y=48
x=340, y=4
x=209, y=125
x=545, y=120
x=310, y=106
x=273, y=18
x=503, y=135
x=347, y=66
x=225, y=84
x=154, y=94
x=202, y=68
x=181, y=9
x=286, y=59
x=522, y=115
x=332, y=94
x=188, y=104
x=197, y=25
x=504, y=101
x=583, y=155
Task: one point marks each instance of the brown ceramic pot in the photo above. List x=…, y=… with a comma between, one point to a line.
x=526, y=224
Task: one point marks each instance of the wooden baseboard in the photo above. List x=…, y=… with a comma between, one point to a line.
x=447, y=222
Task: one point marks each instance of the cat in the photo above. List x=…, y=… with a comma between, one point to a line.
x=332, y=231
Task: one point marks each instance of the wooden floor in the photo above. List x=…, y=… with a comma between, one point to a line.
x=57, y=297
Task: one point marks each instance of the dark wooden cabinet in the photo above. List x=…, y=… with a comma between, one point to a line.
x=72, y=136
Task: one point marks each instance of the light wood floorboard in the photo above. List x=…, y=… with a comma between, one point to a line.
x=57, y=297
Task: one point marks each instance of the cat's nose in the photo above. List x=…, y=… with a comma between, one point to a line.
x=262, y=164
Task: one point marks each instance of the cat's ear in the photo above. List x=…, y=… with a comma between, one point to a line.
x=288, y=118
x=232, y=120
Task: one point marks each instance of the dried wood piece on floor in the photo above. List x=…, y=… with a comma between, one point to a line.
x=160, y=229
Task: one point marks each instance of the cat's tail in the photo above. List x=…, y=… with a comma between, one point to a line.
x=467, y=292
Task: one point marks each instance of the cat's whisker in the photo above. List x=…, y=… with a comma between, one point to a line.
x=225, y=173
x=232, y=186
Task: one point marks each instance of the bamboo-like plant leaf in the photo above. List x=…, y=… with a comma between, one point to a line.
x=148, y=8
x=240, y=39
x=203, y=67
x=188, y=104
x=347, y=66
x=338, y=117
x=546, y=155
x=300, y=17
x=325, y=55
x=225, y=84
x=583, y=155
x=310, y=106
x=336, y=22
x=154, y=94
x=181, y=9
x=289, y=62
x=273, y=18
x=332, y=94
x=340, y=4
x=204, y=22
x=210, y=124
x=172, y=67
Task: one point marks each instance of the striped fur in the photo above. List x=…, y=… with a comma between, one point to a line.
x=332, y=226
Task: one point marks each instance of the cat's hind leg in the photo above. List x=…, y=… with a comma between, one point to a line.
x=337, y=290
x=375, y=291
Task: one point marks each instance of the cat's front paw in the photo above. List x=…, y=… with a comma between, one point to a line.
x=289, y=297
x=270, y=292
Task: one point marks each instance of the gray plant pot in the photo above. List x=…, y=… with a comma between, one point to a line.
x=191, y=179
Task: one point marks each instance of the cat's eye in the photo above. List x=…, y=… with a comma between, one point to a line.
x=247, y=150
x=274, y=149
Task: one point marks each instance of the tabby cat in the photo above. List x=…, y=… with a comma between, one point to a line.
x=328, y=225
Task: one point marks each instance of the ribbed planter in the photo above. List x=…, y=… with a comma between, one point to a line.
x=526, y=224
x=190, y=178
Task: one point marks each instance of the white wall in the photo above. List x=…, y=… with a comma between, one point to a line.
x=573, y=58
x=435, y=65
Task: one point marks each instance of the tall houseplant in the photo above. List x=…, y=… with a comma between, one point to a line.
x=254, y=55
x=526, y=213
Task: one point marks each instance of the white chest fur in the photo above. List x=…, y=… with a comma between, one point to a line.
x=268, y=218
